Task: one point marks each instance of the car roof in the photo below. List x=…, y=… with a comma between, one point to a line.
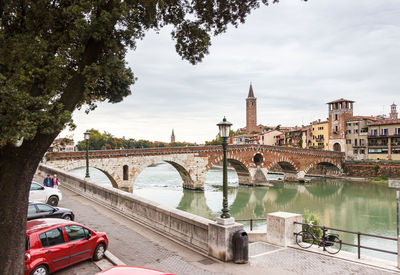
x=39, y=224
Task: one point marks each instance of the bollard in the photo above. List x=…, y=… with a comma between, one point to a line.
x=240, y=245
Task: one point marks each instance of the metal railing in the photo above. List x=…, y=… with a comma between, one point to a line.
x=359, y=234
x=251, y=221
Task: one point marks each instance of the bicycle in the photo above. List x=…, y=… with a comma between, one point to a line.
x=330, y=242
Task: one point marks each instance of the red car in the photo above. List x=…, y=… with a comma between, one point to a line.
x=131, y=270
x=52, y=244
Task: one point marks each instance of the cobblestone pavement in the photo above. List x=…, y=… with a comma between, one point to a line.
x=303, y=262
x=138, y=246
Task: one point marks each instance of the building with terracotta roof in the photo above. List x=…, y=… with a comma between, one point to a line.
x=320, y=135
x=357, y=137
x=384, y=139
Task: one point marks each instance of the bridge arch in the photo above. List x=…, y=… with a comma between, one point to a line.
x=241, y=169
x=183, y=172
x=323, y=168
x=286, y=165
x=105, y=172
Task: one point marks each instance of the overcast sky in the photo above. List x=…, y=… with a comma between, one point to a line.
x=298, y=56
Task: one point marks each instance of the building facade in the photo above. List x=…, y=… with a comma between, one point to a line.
x=384, y=139
x=320, y=135
x=357, y=137
x=339, y=112
x=270, y=137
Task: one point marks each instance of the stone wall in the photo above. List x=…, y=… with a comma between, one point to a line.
x=179, y=225
x=371, y=168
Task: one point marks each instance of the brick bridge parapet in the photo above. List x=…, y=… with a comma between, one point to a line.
x=251, y=162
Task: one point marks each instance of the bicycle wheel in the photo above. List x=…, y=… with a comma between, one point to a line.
x=333, y=244
x=304, y=239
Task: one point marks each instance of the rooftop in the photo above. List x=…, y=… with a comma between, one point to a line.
x=340, y=100
x=384, y=122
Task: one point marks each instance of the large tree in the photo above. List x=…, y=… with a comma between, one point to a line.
x=60, y=55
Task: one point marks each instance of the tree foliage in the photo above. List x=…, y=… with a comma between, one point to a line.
x=60, y=55
x=56, y=56
x=106, y=141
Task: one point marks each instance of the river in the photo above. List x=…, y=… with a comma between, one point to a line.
x=354, y=206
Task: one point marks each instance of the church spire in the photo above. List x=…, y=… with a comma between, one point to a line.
x=251, y=93
x=172, y=136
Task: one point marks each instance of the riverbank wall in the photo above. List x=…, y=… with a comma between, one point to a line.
x=372, y=168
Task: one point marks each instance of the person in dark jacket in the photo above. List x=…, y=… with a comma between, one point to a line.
x=48, y=182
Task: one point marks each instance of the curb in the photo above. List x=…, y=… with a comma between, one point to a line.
x=113, y=259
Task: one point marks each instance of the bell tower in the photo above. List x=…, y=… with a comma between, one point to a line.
x=172, y=136
x=251, y=111
x=339, y=111
x=393, y=111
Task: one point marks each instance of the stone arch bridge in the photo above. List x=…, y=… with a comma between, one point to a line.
x=251, y=162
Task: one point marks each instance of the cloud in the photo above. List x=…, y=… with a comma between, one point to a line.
x=298, y=55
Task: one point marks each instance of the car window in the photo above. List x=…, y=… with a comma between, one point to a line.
x=52, y=237
x=27, y=245
x=31, y=209
x=75, y=232
x=44, y=208
x=35, y=186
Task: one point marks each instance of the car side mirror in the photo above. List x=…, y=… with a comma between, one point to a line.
x=41, y=188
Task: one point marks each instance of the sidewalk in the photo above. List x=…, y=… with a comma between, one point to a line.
x=136, y=245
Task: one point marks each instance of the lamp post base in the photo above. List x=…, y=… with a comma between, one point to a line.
x=223, y=221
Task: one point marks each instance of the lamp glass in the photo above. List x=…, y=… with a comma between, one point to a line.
x=224, y=128
x=86, y=135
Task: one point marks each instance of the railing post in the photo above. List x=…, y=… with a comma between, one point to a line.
x=358, y=245
x=324, y=236
x=251, y=224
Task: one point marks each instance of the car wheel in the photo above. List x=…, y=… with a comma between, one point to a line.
x=40, y=270
x=53, y=201
x=99, y=252
x=68, y=217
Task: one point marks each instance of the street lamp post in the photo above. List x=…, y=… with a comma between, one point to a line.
x=224, y=128
x=86, y=135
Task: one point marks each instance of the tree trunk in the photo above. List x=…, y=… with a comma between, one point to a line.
x=17, y=168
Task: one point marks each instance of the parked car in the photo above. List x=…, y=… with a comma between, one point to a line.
x=131, y=270
x=44, y=194
x=52, y=244
x=38, y=210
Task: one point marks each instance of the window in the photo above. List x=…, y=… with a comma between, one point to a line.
x=35, y=186
x=355, y=124
x=45, y=208
x=348, y=131
x=336, y=128
x=348, y=124
x=348, y=141
x=362, y=142
x=355, y=151
x=362, y=152
x=76, y=232
x=52, y=237
x=125, y=172
x=355, y=142
x=336, y=117
x=384, y=132
x=31, y=209
x=374, y=132
x=397, y=131
x=355, y=131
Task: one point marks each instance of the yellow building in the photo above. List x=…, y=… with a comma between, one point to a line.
x=320, y=135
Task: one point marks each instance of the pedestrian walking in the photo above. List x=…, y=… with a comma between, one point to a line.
x=48, y=181
x=56, y=183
